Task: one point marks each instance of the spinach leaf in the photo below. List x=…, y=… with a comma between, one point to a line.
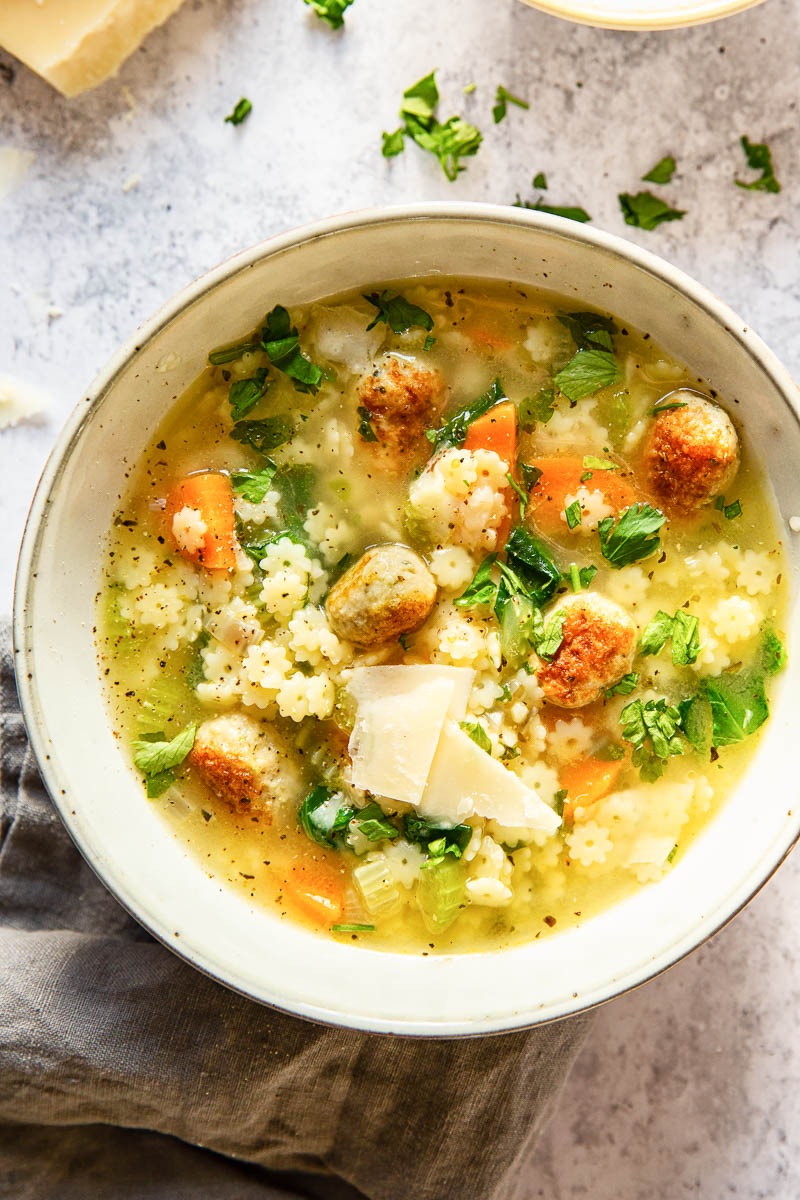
x=587, y=372
x=266, y=434
x=454, y=431
x=738, y=705
x=481, y=590
x=281, y=341
x=245, y=394
x=536, y=409
x=533, y=565
x=397, y=312
x=324, y=816
x=254, y=485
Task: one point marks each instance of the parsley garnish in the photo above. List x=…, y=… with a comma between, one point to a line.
x=652, y=729
x=696, y=723
x=586, y=373
x=156, y=758
x=398, y=313
x=226, y=354
x=540, y=181
x=240, y=112
x=482, y=590
x=773, y=652
x=454, y=431
x=729, y=511
x=599, y=464
x=624, y=686
x=531, y=475
x=325, y=816
x=265, y=434
x=589, y=330
x=738, y=705
x=558, y=801
x=758, y=157
x=373, y=823
x=646, y=211
x=478, y=734
x=571, y=212
x=365, y=429
x=578, y=578
x=449, y=142
x=280, y=340
x=662, y=172
x=573, y=514
x=501, y=103
x=683, y=630
x=331, y=11
x=195, y=668
x=538, y=408
x=254, y=485
x=634, y=536
x=245, y=394
x=548, y=639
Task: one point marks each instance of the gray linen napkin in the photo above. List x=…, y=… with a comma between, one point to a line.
x=125, y=1073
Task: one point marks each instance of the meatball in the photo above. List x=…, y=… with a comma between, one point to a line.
x=691, y=453
x=402, y=400
x=388, y=592
x=246, y=764
x=596, y=651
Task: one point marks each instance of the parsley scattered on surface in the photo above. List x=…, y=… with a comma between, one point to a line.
x=254, y=485
x=156, y=758
x=398, y=313
x=729, y=511
x=538, y=408
x=501, y=103
x=587, y=372
x=331, y=11
x=696, y=723
x=240, y=113
x=266, y=434
x=652, y=727
x=633, y=536
x=646, y=211
x=478, y=734
x=625, y=685
x=195, y=668
x=759, y=157
x=365, y=429
x=482, y=589
x=578, y=577
x=773, y=652
x=540, y=181
x=281, y=341
x=373, y=824
x=571, y=212
x=589, y=330
x=449, y=142
x=325, y=816
x=662, y=172
x=682, y=630
x=591, y=463
x=245, y=394
x=530, y=474
x=573, y=514
x=454, y=431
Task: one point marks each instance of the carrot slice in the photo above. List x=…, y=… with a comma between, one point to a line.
x=495, y=430
x=561, y=477
x=588, y=780
x=486, y=336
x=316, y=890
x=210, y=494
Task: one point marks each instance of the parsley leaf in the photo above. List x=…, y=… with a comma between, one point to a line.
x=531, y=475
x=599, y=464
x=324, y=816
x=478, y=734
x=373, y=823
x=195, y=672
x=729, y=511
x=331, y=11
x=365, y=429
x=652, y=728
x=696, y=723
x=773, y=652
x=682, y=630
x=538, y=408
x=254, y=485
x=646, y=211
x=449, y=142
x=424, y=833
x=589, y=330
x=226, y=354
x=540, y=181
x=662, y=172
x=573, y=514
x=738, y=705
x=398, y=313
x=454, y=431
x=245, y=394
x=533, y=565
x=656, y=634
x=759, y=157
x=547, y=640
x=265, y=434
x=624, y=686
x=280, y=340
x=577, y=578
x=240, y=113
x=156, y=758
x=501, y=102
x=586, y=373
x=393, y=143
x=571, y=212
x=481, y=590
x=634, y=536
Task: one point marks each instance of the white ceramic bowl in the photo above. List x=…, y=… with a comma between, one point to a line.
x=642, y=14
x=101, y=800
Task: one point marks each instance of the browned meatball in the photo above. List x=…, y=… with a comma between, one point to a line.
x=402, y=400
x=246, y=764
x=388, y=592
x=596, y=651
x=691, y=453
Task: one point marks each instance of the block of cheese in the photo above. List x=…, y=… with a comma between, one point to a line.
x=465, y=781
x=76, y=44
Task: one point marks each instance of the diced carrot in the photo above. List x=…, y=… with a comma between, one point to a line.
x=495, y=430
x=486, y=336
x=588, y=780
x=316, y=889
x=209, y=493
x=561, y=477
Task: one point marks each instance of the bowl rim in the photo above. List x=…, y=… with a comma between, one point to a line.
x=580, y=13
x=25, y=582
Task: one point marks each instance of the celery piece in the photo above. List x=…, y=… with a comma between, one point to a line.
x=165, y=705
x=440, y=893
x=118, y=629
x=376, y=886
x=613, y=410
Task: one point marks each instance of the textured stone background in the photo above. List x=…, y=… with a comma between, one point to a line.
x=689, y=1087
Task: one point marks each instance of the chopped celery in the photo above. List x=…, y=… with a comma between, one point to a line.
x=165, y=705
x=376, y=886
x=440, y=893
x=613, y=410
x=116, y=627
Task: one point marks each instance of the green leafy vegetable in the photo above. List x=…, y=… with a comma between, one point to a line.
x=324, y=816
x=522, y=495
x=331, y=11
x=634, y=536
x=578, y=578
x=501, y=103
x=296, y=485
x=478, y=734
x=696, y=723
x=440, y=893
x=570, y=212
x=226, y=354
x=393, y=143
x=652, y=728
x=518, y=618
x=587, y=372
x=625, y=686
x=530, y=474
x=240, y=113
x=558, y=801
x=398, y=313
x=374, y=825
x=589, y=330
x=156, y=757
x=195, y=672
x=365, y=429
x=759, y=157
x=729, y=511
x=738, y=705
x=423, y=833
x=540, y=181
x=646, y=211
x=573, y=514
x=245, y=394
x=548, y=641
x=682, y=629
x=599, y=464
x=254, y=485
x=662, y=172
x=536, y=409
x=454, y=431
x=656, y=634
x=449, y=142
x=481, y=590
x=659, y=408
x=351, y=928
x=773, y=652
x=263, y=435
x=532, y=563
x=281, y=341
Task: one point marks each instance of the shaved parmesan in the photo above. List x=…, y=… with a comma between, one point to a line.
x=367, y=684
x=14, y=166
x=465, y=781
x=19, y=401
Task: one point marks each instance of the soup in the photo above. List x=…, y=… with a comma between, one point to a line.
x=442, y=616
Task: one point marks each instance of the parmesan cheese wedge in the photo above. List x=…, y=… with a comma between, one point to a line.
x=367, y=684
x=76, y=44
x=465, y=781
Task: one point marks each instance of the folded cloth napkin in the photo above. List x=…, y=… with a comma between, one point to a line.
x=125, y=1073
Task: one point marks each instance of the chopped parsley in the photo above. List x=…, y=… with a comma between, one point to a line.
x=331, y=11
x=646, y=211
x=325, y=816
x=531, y=475
x=263, y=435
x=254, y=485
x=437, y=840
x=578, y=577
x=501, y=103
x=245, y=394
x=696, y=723
x=156, y=757
x=624, y=686
x=478, y=734
x=536, y=409
x=729, y=511
x=587, y=372
x=240, y=113
x=449, y=142
x=773, y=652
x=281, y=341
x=195, y=669
x=599, y=464
x=633, y=536
x=454, y=431
x=365, y=429
x=573, y=514
x=373, y=824
x=548, y=639
x=540, y=181
x=570, y=211
x=662, y=172
x=683, y=630
x=398, y=313
x=652, y=727
x=589, y=330
x=226, y=354
x=759, y=157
